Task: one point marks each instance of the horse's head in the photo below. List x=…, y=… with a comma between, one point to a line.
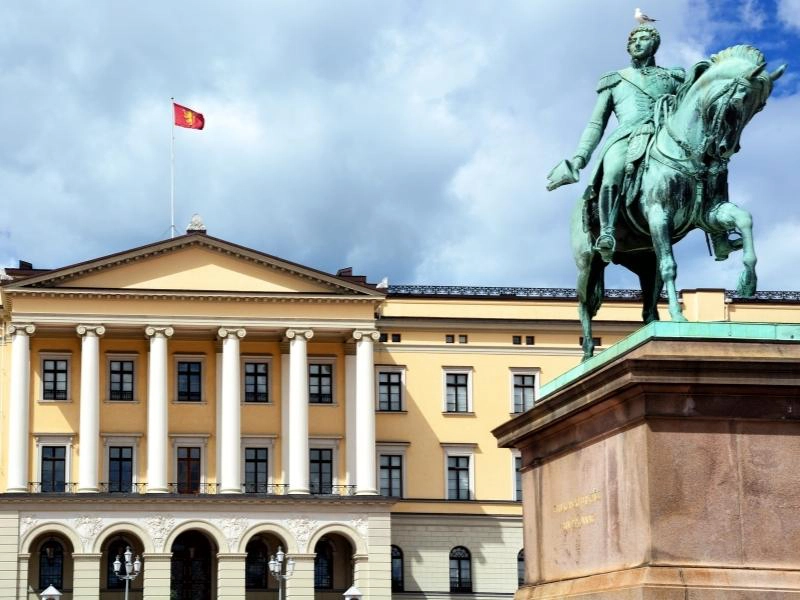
x=729, y=89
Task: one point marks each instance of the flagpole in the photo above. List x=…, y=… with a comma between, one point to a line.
x=172, y=176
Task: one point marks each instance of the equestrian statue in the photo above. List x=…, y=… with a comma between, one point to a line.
x=663, y=171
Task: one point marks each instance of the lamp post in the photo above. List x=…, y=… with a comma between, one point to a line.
x=277, y=570
x=132, y=569
x=51, y=593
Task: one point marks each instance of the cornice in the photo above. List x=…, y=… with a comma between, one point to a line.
x=110, y=294
x=491, y=324
x=475, y=349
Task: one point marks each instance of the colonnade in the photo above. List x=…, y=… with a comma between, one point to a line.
x=295, y=439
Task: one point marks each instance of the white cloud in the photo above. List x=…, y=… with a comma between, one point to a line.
x=789, y=13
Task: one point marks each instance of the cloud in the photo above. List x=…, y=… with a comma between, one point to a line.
x=403, y=139
x=789, y=13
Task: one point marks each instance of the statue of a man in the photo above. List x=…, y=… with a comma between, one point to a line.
x=631, y=94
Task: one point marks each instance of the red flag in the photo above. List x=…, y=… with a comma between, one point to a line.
x=186, y=117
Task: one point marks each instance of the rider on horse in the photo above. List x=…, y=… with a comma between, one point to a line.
x=631, y=94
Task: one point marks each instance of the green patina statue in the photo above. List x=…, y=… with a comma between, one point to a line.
x=663, y=171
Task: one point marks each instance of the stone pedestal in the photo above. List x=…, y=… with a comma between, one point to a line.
x=667, y=468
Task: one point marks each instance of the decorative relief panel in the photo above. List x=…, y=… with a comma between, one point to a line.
x=302, y=529
x=159, y=528
x=232, y=528
x=87, y=528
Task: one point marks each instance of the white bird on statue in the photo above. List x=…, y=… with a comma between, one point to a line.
x=641, y=17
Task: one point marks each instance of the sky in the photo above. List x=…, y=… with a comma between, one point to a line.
x=406, y=139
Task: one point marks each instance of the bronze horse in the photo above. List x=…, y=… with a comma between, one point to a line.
x=682, y=185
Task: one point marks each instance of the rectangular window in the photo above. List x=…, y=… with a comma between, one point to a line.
x=391, y=475
x=530, y=340
x=462, y=339
x=53, y=468
x=321, y=471
x=383, y=337
x=517, y=478
x=120, y=469
x=256, y=470
x=55, y=378
x=449, y=338
x=524, y=391
x=516, y=340
x=120, y=379
x=256, y=382
x=190, y=381
x=320, y=383
x=457, y=392
x=595, y=340
x=390, y=390
x=189, y=458
x=458, y=478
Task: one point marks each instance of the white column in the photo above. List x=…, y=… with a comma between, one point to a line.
x=18, y=413
x=229, y=468
x=157, y=389
x=298, y=410
x=365, y=412
x=350, y=416
x=89, y=431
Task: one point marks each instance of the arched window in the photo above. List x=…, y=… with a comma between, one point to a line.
x=257, y=565
x=323, y=565
x=521, y=567
x=460, y=570
x=116, y=548
x=51, y=565
x=397, y=569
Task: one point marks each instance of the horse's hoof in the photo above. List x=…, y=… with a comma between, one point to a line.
x=678, y=318
x=747, y=286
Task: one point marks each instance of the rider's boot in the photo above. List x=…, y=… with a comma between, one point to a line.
x=606, y=244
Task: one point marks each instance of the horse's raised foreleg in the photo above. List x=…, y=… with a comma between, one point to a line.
x=728, y=216
x=659, y=222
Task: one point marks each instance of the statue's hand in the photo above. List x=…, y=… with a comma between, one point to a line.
x=563, y=173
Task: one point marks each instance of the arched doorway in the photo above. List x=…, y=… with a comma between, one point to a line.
x=193, y=567
x=259, y=584
x=333, y=567
x=111, y=586
x=50, y=563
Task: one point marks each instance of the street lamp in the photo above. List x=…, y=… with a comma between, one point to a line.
x=51, y=593
x=278, y=571
x=132, y=569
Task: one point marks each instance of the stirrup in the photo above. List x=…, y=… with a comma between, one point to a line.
x=605, y=246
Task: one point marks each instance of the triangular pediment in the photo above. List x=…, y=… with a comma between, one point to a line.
x=195, y=263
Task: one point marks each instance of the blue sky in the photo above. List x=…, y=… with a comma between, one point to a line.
x=406, y=139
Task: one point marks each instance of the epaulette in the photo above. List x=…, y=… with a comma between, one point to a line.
x=678, y=73
x=608, y=80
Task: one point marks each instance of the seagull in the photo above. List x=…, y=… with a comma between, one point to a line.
x=642, y=18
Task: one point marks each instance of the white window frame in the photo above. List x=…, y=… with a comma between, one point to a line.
x=201, y=358
x=325, y=443
x=393, y=449
x=323, y=360
x=261, y=359
x=259, y=441
x=454, y=450
x=54, y=439
x=121, y=356
x=390, y=369
x=121, y=439
x=535, y=371
x=55, y=355
x=190, y=440
x=515, y=454
x=468, y=371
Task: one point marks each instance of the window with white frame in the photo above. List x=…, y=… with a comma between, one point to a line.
x=54, y=453
x=459, y=468
x=120, y=462
x=390, y=382
x=321, y=375
x=323, y=461
x=524, y=389
x=255, y=379
x=257, y=465
x=517, y=465
x=121, y=384
x=457, y=390
x=189, y=378
x=391, y=469
x=189, y=463
x=55, y=376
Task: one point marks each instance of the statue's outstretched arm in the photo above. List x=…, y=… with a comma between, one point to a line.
x=595, y=128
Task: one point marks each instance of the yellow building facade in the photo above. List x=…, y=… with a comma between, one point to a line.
x=206, y=404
